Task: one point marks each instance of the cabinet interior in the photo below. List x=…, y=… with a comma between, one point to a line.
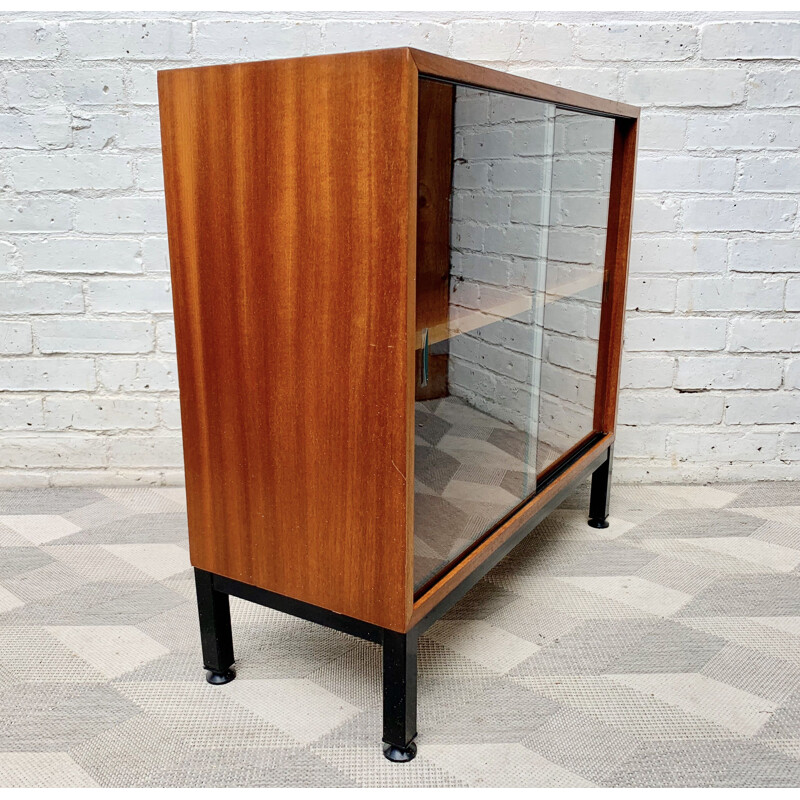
x=513, y=198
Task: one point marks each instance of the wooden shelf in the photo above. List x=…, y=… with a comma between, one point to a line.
x=464, y=320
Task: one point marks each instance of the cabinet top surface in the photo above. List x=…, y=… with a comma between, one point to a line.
x=463, y=72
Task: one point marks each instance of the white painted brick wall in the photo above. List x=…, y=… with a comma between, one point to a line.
x=711, y=375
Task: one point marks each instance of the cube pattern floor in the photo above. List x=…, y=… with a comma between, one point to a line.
x=662, y=651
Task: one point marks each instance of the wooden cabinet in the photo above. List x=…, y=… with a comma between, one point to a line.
x=399, y=287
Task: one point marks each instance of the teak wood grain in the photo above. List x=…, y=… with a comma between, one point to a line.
x=485, y=78
x=292, y=205
x=618, y=242
x=434, y=181
x=290, y=189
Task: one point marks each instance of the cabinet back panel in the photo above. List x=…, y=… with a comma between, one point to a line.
x=289, y=189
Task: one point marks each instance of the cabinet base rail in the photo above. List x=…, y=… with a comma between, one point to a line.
x=399, y=649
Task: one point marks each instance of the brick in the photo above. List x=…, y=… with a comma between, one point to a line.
x=142, y=86
x=94, y=256
x=566, y=209
x=52, y=450
x=646, y=372
x=566, y=385
x=6, y=253
x=471, y=107
x=155, y=254
x=789, y=450
x=94, y=336
x=137, y=296
x=750, y=40
x=47, y=374
x=150, y=174
x=78, y=412
x=730, y=294
x=762, y=408
x=16, y=132
x=685, y=174
x=114, y=39
x=351, y=35
x=662, y=131
x=545, y=41
x=15, y=338
x=579, y=355
x=792, y=377
x=658, y=407
x=88, y=87
x=640, y=442
x=262, y=39
x=52, y=127
x=765, y=335
x=165, y=336
x=487, y=143
x=687, y=86
x=573, y=247
x=470, y=176
x=774, y=88
x=723, y=445
x=793, y=295
x=28, y=39
x=780, y=174
x=651, y=215
x=601, y=81
x=486, y=269
x=146, y=451
x=482, y=208
x=744, y=132
x=684, y=254
x=138, y=375
x=21, y=413
x=27, y=215
x=518, y=240
x=580, y=174
x=170, y=413
x=564, y=317
x=630, y=41
x=765, y=255
x=107, y=476
x=697, y=373
x=47, y=128
x=651, y=294
x=42, y=297
x=743, y=214
x=675, y=333
x=121, y=131
x=485, y=41
x=63, y=172
x=121, y=215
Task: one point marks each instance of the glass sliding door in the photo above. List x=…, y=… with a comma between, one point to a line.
x=502, y=299
x=575, y=269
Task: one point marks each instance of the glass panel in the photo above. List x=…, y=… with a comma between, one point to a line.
x=510, y=241
x=480, y=338
x=575, y=266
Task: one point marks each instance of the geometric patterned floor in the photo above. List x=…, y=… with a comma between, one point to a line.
x=663, y=651
x=470, y=470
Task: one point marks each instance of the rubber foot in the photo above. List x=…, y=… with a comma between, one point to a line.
x=399, y=754
x=218, y=678
x=598, y=523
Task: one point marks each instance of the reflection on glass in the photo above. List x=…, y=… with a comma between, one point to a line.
x=513, y=195
x=575, y=267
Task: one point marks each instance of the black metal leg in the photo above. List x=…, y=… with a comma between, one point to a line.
x=215, y=629
x=600, y=496
x=399, y=695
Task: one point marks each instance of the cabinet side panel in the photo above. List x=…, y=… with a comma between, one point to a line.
x=287, y=187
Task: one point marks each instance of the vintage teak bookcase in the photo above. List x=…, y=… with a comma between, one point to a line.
x=399, y=289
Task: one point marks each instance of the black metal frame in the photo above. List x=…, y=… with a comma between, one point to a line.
x=399, y=649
